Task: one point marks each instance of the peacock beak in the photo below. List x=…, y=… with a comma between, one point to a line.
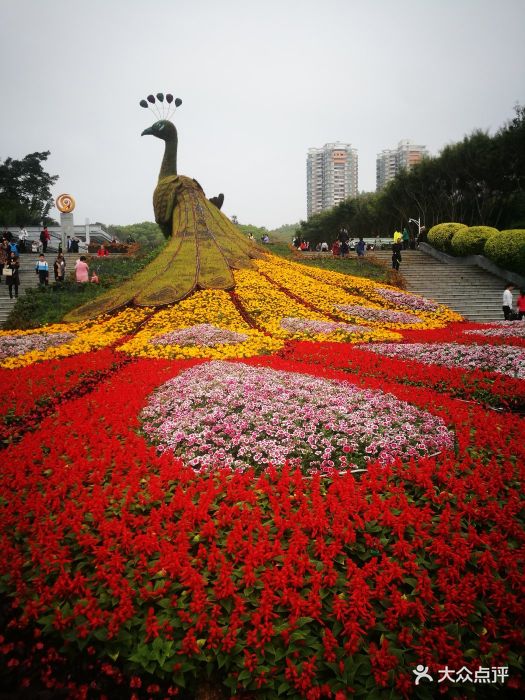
x=147, y=132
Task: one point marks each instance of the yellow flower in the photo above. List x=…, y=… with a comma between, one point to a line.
x=88, y=335
x=209, y=306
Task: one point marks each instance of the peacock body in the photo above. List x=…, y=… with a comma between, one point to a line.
x=203, y=247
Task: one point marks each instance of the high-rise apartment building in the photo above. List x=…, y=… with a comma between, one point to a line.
x=331, y=176
x=390, y=162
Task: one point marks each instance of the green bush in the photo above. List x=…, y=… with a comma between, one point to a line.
x=472, y=240
x=507, y=249
x=440, y=236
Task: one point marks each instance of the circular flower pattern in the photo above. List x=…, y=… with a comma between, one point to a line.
x=381, y=315
x=489, y=358
x=203, y=334
x=311, y=327
x=503, y=329
x=235, y=415
x=408, y=301
x=12, y=345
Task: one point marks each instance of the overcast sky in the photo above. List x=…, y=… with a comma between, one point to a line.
x=261, y=82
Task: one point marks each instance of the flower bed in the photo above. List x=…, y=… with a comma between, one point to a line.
x=276, y=582
x=303, y=326
x=503, y=359
x=488, y=388
x=505, y=329
x=370, y=313
x=204, y=334
x=129, y=572
x=225, y=414
x=408, y=301
x=13, y=345
x=85, y=336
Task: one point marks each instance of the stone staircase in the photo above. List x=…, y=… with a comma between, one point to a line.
x=29, y=279
x=467, y=289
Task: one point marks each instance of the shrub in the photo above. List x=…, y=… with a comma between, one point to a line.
x=472, y=240
x=507, y=249
x=440, y=236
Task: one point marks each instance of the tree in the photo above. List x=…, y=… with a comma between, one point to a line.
x=25, y=190
x=147, y=234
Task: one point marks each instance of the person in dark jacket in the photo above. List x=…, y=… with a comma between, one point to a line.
x=396, y=255
x=12, y=274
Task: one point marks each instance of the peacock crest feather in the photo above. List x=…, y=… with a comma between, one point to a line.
x=203, y=247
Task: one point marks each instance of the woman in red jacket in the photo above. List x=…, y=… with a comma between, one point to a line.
x=520, y=304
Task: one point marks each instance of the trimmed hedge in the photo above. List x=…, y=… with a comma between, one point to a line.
x=440, y=236
x=507, y=249
x=472, y=240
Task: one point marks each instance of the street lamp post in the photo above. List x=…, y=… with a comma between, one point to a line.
x=418, y=222
x=419, y=227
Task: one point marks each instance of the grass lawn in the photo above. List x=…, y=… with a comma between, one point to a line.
x=376, y=271
x=43, y=305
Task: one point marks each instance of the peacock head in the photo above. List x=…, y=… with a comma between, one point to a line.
x=163, y=129
x=163, y=106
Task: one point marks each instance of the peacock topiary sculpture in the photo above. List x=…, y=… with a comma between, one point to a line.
x=203, y=248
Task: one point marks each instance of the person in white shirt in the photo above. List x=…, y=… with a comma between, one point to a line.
x=22, y=238
x=507, y=302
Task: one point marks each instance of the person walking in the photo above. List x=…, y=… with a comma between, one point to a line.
x=59, y=268
x=12, y=274
x=507, y=302
x=82, y=270
x=396, y=255
x=520, y=304
x=42, y=270
x=360, y=248
x=406, y=238
x=45, y=237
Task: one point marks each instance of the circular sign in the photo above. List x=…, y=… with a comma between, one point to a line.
x=65, y=203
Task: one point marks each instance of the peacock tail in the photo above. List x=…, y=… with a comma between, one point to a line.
x=203, y=250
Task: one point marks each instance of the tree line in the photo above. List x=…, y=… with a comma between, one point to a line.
x=25, y=191
x=477, y=181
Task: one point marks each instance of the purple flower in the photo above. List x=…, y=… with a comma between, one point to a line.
x=380, y=315
x=21, y=344
x=505, y=359
x=204, y=334
x=235, y=415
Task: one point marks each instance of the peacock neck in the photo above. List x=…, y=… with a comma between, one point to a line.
x=169, y=162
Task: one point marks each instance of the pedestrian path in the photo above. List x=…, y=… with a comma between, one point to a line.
x=29, y=278
x=467, y=289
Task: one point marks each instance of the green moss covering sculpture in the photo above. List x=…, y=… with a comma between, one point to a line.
x=203, y=249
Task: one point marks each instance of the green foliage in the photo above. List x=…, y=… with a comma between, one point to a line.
x=256, y=231
x=440, y=236
x=25, y=190
x=50, y=304
x=471, y=241
x=147, y=234
x=507, y=249
x=286, y=232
